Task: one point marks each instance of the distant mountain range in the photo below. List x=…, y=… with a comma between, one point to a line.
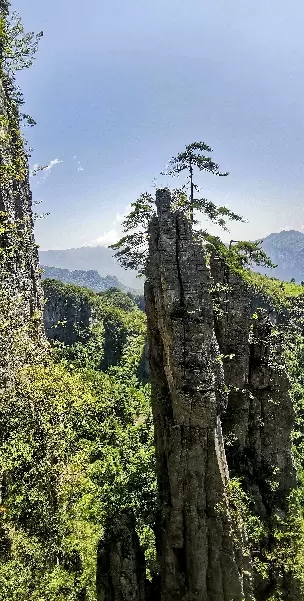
x=286, y=249
x=87, y=258
x=90, y=279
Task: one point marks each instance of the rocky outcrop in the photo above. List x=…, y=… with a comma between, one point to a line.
x=20, y=291
x=98, y=328
x=68, y=313
x=121, y=574
x=197, y=556
x=19, y=254
x=258, y=423
x=222, y=408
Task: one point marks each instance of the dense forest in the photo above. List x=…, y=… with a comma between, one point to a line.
x=150, y=448
x=76, y=447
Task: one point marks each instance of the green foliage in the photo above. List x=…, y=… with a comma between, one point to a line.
x=244, y=254
x=248, y=528
x=275, y=549
x=76, y=446
x=283, y=294
x=132, y=248
x=95, y=330
x=238, y=255
x=17, y=51
x=117, y=298
x=17, y=48
x=194, y=157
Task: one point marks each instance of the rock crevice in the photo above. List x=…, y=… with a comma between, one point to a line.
x=197, y=557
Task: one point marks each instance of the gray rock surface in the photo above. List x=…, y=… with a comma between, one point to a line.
x=21, y=331
x=19, y=273
x=197, y=559
x=20, y=290
x=120, y=562
x=258, y=423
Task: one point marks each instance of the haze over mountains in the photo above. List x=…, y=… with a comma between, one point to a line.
x=89, y=279
x=86, y=258
x=286, y=250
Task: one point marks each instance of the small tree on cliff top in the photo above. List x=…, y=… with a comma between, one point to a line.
x=132, y=248
x=194, y=157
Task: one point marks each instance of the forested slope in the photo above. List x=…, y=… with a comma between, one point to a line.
x=77, y=447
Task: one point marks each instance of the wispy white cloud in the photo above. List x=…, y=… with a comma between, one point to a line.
x=106, y=239
x=52, y=164
x=115, y=233
x=120, y=216
x=44, y=169
x=79, y=166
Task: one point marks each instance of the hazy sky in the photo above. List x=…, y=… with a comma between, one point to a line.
x=119, y=87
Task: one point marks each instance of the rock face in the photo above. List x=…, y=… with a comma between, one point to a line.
x=68, y=313
x=72, y=314
x=20, y=291
x=120, y=562
x=259, y=419
x=197, y=556
x=19, y=255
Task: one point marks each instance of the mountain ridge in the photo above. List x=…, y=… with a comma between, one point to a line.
x=88, y=258
x=285, y=248
x=89, y=278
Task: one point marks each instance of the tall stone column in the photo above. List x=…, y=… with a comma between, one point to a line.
x=197, y=557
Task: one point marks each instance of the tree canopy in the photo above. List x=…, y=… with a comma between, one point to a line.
x=17, y=48
x=194, y=157
x=132, y=248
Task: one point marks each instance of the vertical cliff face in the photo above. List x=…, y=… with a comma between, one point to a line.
x=197, y=557
x=121, y=563
x=19, y=255
x=20, y=293
x=259, y=419
x=68, y=314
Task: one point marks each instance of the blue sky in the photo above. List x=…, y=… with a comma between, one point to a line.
x=124, y=85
